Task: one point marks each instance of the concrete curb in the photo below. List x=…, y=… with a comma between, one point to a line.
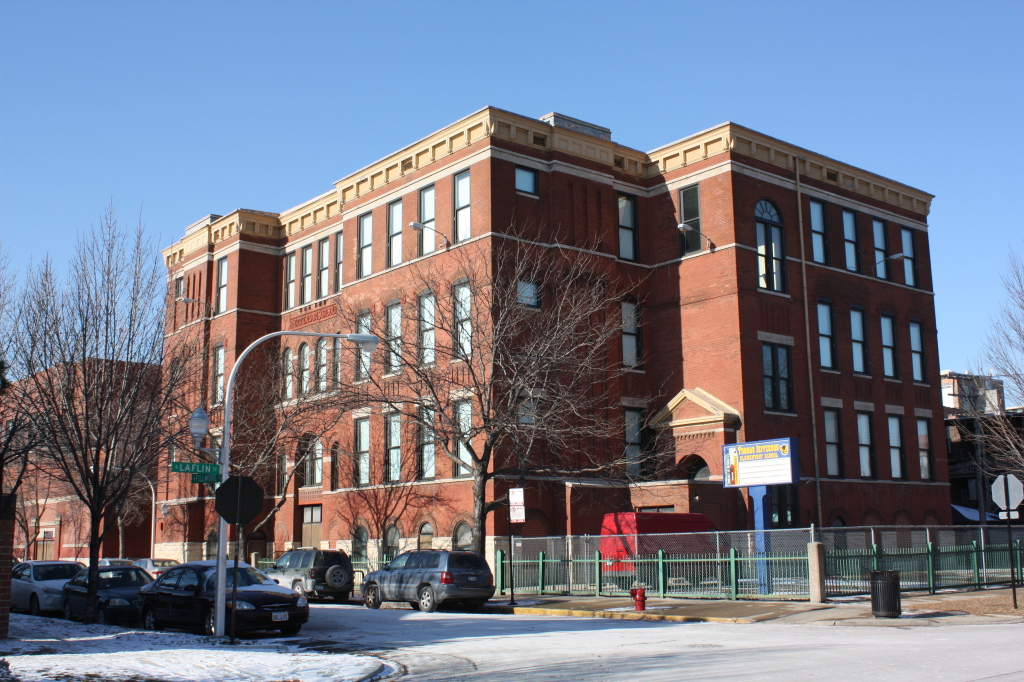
x=614, y=615
x=372, y=676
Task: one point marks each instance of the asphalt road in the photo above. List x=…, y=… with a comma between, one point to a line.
x=454, y=646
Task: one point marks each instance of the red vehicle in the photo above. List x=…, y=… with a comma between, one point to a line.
x=626, y=536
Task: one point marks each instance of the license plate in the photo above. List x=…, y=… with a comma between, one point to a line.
x=472, y=578
x=279, y=615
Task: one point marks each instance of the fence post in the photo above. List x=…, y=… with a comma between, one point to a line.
x=931, y=568
x=733, y=573
x=597, y=573
x=499, y=558
x=975, y=564
x=816, y=572
x=661, y=573
x=540, y=573
x=876, y=556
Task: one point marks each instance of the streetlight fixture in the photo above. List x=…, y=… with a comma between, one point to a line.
x=419, y=227
x=199, y=424
x=893, y=257
x=684, y=228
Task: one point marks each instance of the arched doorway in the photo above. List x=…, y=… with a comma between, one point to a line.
x=360, y=541
x=257, y=544
x=426, y=537
x=462, y=538
x=392, y=538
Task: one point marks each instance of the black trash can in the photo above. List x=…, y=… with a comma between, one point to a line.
x=885, y=594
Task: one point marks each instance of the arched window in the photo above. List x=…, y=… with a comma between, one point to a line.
x=695, y=468
x=771, y=254
x=314, y=465
x=303, y=369
x=462, y=538
x=321, y=365
x=426, y=538
x=288, y=374
x=335, y=456
x=211, y=544
x=391, y=539
x=336, y=363
x=360, y=540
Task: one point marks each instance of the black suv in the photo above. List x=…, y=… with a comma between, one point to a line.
x=315, y=572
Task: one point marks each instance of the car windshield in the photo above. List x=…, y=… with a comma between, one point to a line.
x=118, y=562
x=246, y=576
x=134, y=577
x=164, y=563
x=55, y=571
x=467, y=561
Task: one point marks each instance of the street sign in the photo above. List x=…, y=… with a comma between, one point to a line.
x=206, y=478
x=516, y=507
x=515, y=497
x=760, y=462
x=239, y=499
x=195, y=468
x=1009, y=515
x=999, y=490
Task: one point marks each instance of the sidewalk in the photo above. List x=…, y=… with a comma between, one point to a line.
x=945, y=608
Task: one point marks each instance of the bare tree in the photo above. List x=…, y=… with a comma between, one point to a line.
x=88, y=351
x=31, y=504
x=16, y=436
x=504, y=360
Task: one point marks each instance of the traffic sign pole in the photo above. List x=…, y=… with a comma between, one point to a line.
x=1009, y=541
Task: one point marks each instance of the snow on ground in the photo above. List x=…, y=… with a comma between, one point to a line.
x=42, y=649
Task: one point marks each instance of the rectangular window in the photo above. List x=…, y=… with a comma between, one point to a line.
x=864, y=445
x=462, y=214
x=306, y=279
x=778, y=381
x=917, y=351
x=394, y=337
x=364, y=256
x=819, y=238
x=464, y=419
x=393, y=445
x=627, y=228
x=770, y=257
x=526, y=180
x=362, y=355
x=320, y=365
x=924, y=448
x=217, y=396
x=528, y=294
x=833, y=444
x=394, y=233
x=896, y=447
x=850, y=241
x=336, y=363
x=427, y=237
x=634, y=422
x=179, y=287
x=426, y=331
x=323, y=268
x=314, y=464
x=632, y=346
x=860, y=356
x=463, y=323
x=826, y=336
x=338, y=254
x=428, y=444
x=881, y=249
x=689, y=211
x=311, y=526
x=221, y=303
x=890, y=367
x=361, y=475
x=335, y=457
x=909, y=257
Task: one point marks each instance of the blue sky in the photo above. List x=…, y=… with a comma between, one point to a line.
x=178, y=109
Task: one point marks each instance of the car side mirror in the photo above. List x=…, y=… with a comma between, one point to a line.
x=387, y=567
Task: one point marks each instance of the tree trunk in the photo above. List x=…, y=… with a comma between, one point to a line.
x=479, y=508
x=120, y=537
x=92, y=597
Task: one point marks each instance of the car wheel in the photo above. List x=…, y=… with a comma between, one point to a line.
x=371, y=597
x=68, y=615
x=415, y=605
x=209, y=623
x=290, y=630
x=33, y=606
x=149, y=621
x=427, y=602
x=336, y=577
x=299, y=587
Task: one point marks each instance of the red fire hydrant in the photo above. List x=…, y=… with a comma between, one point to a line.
x=639, y=597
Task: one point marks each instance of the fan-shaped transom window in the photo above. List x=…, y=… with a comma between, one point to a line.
x=765, y=210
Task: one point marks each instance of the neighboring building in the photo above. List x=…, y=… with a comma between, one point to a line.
x=725, y=314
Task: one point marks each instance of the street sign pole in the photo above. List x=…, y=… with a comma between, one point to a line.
x=511, y=564
x=1009, y=540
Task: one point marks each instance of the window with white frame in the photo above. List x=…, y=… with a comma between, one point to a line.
x=909, y=257
x=462, y=214
x=689, y=214
x=833, y=444
x=924, y=448
x=320, y=365
x=819, y=237
x=364, y=255
x=394, y=233
x=851, y=244
x=771, y=256
x=287, y=374
x=890, y=367
x=427, y=444
x=826, y=335
x=362, y=354
x=339, y=254
x=289, y=281
x=634, y=425
x=628, y=246
x=393, y=447
x=428, y=236
x=858, y=341
x=778, y=378
x=314, y=465
x=304, y=384
x=865, y=449
x=218, y=375
x=361, y=462
x=336, y=362
x=464, y=420
x=463, y=323
x=632, y=341
x=323, y=268
x=221, y=302
x=393, y=320
x=427, y=305
x=306, y=275
x=896, y=447
x=526, y=180
x=881, y=249
x=528, y=293
x=917, y=351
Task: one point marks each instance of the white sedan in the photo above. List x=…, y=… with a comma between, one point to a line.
x=37, y=586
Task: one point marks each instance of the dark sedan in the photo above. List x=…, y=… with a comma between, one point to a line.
x=184, y=597
x=118, y=590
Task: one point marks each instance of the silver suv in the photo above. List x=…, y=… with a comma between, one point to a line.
x=427, y=578
x=315, y=573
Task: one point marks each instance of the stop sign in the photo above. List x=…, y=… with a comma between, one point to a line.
x=999, y=489
x=239, y=499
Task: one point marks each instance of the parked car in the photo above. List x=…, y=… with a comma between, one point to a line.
x=315, y=573
x=118, y=590
x=36, y=586
x=430, y=577
x=115, y=562
x=184, y=596
x=156, y=567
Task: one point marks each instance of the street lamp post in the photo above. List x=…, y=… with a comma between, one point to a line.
x=199, y=425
